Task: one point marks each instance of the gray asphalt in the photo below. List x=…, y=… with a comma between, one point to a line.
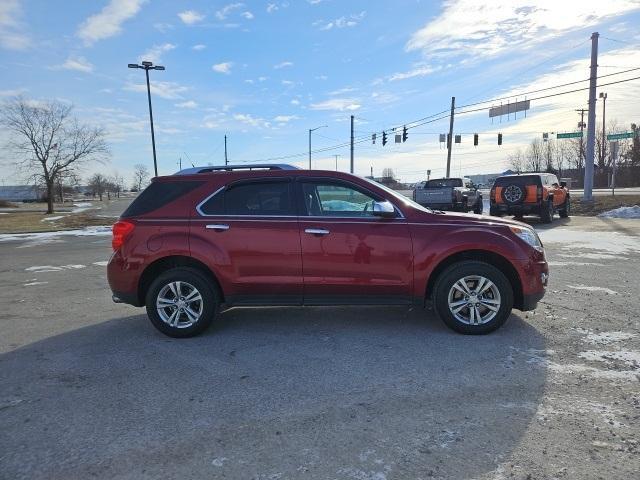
x=89, y=389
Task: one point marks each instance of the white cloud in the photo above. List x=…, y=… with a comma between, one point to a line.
x=109, y=21
x=476, y=29
x=163, y=27
x=154, y=54
x=283, y=65
x=287, y=83
x=416, y=72
x=168, y=90
x=263, y=79
x=248, y=15
x=338, y=104
x=295, y=102
x=224, y=67
x=12, y=92
x=198, y=47
x=227, y=9
x=12, y=34
x=250, y=120
x=272, y=7
x=189, y=17
x=285, y=118
x=187, y=104
x=342, y=22
x=79, y=64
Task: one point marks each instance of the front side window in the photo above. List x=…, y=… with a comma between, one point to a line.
x=335, y=200
x=251, y=199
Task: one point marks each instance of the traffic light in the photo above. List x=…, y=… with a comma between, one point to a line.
x=499, y=139
x=404, y=134
x=475, y=139
x=384, y=138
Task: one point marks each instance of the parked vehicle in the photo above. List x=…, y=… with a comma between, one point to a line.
x=213, y=237
x=531, y=193
x=458, y=194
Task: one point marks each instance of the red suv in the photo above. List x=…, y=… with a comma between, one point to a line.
x=213, y=237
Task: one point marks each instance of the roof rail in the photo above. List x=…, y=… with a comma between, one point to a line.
x=230, y=168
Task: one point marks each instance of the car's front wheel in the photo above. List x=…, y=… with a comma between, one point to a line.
x=546, y=212
x=566, y=208
x=473, y=297
x=181, y=302
x=479, y=206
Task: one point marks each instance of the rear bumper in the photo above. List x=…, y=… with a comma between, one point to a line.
x=123, y=280
x=522, y=208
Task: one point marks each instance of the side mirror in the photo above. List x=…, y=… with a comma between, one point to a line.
x=563, y=184
x=384, y=209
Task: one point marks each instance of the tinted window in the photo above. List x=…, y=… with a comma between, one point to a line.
x=157, y=195
x=518, y=180
x=333, y=200
x=260, y=198
x=444, y=182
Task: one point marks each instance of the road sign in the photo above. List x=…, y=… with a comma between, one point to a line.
x=569, y=135
x=619, y=136
x=509, y=108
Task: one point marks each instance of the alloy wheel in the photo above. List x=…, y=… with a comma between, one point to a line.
x=179, y=304
x=474, y=300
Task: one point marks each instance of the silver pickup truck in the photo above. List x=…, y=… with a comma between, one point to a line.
x=458, y=194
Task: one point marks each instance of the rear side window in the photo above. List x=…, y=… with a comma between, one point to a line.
x=444, y=182
x=251, y=199
x=159, y=194
x=518, y=180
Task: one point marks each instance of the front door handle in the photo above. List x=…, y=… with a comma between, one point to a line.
x=217, y=226
x=317, y=231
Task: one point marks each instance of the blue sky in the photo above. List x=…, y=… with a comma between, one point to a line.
x=265, y=72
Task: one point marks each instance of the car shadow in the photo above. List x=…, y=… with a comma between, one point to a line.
x=270, y=391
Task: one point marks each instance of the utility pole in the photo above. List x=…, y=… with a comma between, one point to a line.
x=581, y=126
x=450, y=137
x=603, y=96
x=351, y=168
x=226, y=160
x=591, y=122
x=312, y=130
x=336, y=155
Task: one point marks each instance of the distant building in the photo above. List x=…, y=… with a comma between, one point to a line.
x=20, y=193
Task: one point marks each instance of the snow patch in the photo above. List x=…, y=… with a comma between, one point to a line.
x=102, y=263
x=622, y=212
x=576, y=264
x=612, y=243
x=594, y=289
x=52, y=219
x=39, y=238
x=628, y=357
x=605, y=338
x=51, y=268
x=30, y=284
x=218, y=462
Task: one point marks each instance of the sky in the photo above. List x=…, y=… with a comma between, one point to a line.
x=265, y=72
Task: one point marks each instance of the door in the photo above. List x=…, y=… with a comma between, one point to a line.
x=349, y=255
x=252, y=239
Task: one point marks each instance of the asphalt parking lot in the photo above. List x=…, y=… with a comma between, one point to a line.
x=89, y=389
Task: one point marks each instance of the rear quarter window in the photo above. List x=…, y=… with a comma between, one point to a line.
x=159, y=194
x=518, y=180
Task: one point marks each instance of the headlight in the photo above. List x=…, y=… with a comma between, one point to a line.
x=528, y=235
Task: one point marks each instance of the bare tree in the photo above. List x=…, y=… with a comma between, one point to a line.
x=98, y=184
x=118, y=183
x=387, y=173
x=140, y=176
x=516, y=161
x=49, y=142
x=534, y=156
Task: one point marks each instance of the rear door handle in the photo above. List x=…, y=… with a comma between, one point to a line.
x=217, y=226
x=317, y=231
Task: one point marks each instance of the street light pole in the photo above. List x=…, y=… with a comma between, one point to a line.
x=146, y=66
x=312, y=130
x=603, y=96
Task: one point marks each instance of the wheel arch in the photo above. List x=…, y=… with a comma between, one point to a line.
x=173, y=261
x=491, y=258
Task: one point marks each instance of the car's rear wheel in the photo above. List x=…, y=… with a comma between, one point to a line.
x=565, y=211
x=479, y=206
x=181, y=302
x=494, y=212
x=546, y=212
x=473, y=297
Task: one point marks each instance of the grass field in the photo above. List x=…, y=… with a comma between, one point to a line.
x=602, y=204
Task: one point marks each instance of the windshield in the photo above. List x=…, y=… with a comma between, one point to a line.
x=398, y=196
x=444, y=182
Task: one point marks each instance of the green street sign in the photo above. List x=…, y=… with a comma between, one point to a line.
x=569, y=135
x=619, y=136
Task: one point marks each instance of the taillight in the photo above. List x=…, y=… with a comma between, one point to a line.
x=121, y=230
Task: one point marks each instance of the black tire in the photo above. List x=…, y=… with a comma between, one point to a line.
x=470, y=268
x=207, y=307
x=479, y=206
x=494, y=212
x=546, y=211
x=513, y=194
x=565, y=211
